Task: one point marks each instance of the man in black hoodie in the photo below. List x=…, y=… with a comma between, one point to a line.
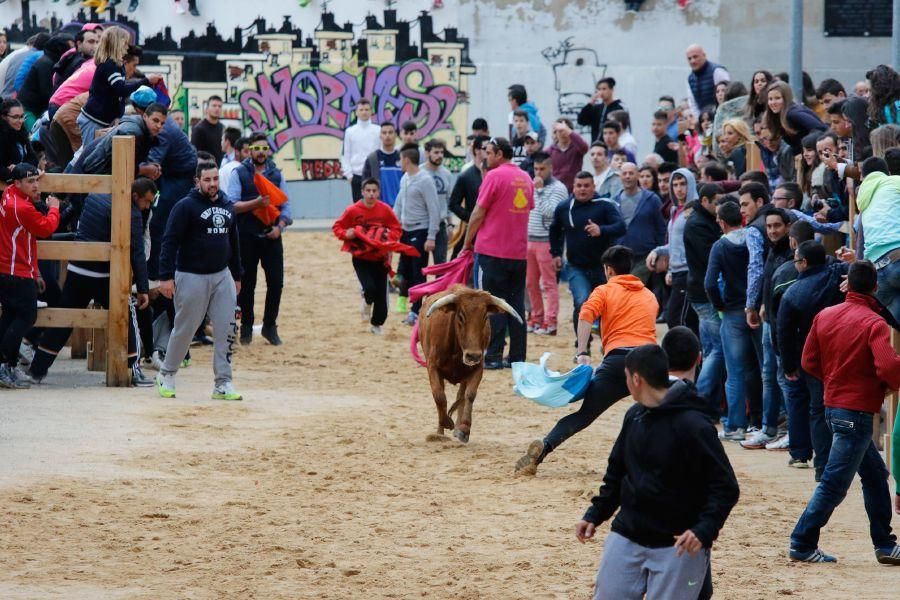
x=38, y=86
x=200, y=266
x=670, y=480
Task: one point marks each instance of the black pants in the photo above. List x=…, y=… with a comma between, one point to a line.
x=679, y=310
x=504, y=278
x=356, y=187
x=78, y=291
x=270, y=253
x=607, y=387
x=18, y=296
x=52, y=293
x=439, y=254
x=410, y=267
x=373, y=278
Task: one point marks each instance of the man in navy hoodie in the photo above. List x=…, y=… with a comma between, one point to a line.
x=200, y=267
x=586, y=226
x=645, y=226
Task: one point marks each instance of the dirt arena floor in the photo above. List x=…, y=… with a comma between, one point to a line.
x=321, y=484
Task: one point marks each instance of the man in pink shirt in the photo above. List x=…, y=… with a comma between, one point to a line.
x=500, y=221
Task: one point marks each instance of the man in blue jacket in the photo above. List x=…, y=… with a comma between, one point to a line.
x=260, y=242
x=645, y=226
x=86, y=281
x=586, y=226
x=200, y=268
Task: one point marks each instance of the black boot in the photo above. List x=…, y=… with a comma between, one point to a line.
x=270, y=332
x=246, y=335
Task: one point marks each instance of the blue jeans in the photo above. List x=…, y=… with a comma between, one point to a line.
x=582, y=282
x=889, y=288
x=796, y=401
x=771, y=392
x=712, y=372
x=852, y=451
x=818, y=424
x=742, y=348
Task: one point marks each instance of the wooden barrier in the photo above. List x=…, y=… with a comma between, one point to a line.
x=117, y=252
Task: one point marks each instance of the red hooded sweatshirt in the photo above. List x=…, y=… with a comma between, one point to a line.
x=359, y=215
x=21, y=224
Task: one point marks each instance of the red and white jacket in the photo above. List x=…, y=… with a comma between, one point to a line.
x=21, y=224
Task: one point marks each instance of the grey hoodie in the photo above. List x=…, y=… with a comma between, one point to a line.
x=675, y=248
x=417, y=205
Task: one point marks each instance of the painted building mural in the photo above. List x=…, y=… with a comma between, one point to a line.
x=302, y=91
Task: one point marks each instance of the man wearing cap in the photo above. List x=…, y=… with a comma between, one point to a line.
x=86, y=42
x=21, y=224
x=532, y=143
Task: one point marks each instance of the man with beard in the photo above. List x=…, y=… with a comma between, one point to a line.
x=200, y=268
x=260, y=242
x=434, y=158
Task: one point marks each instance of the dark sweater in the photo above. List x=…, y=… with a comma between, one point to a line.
x=729, y=258
x=779, y=253
x=38, y=87
x=207, y=137
x=667, y=473
x=569, y=220
x=465, y=193
x=95, y=225
x=595, y=115
x=662, y=148
x=700, y=233
x=647, y=229
x=109, y=89
x=66, y=66
x=15, y=147
x=803, y=120
x=201, y=237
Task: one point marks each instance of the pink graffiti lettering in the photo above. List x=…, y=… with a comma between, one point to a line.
x=311, y=103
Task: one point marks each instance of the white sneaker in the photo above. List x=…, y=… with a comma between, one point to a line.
x=376, y=329
x=156, y=361
x=179, y=8
x=41, y=304
x=782, y=443
x=733, y=436
x=26, y=353
x=757, y=440
x=365, y=310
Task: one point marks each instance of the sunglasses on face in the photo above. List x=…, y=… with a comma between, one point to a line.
x=259, y=148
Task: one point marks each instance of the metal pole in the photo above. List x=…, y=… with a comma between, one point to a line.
x=796, y=71
x=895, y=35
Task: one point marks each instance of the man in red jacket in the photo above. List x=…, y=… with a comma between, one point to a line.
x=371, y=264
x=20, y=226
x=849, y=348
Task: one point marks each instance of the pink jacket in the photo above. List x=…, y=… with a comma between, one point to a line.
x=78, y=83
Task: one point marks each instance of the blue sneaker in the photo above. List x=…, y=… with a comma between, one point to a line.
x=889, y=555
x=816, y=556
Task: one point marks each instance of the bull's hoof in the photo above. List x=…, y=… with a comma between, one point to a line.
x=448, y=423
x=436, y=437
x=461, y=435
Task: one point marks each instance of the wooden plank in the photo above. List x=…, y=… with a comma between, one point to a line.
x=78, y=342
x=91, y=251
x=72, y=317
x=117, y=372
x=97, y=354
x=851, y=191
x=76, y=184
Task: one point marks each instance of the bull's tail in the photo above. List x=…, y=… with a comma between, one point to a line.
x=414, y=345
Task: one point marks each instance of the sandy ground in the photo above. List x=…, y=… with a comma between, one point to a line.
x=321, y=483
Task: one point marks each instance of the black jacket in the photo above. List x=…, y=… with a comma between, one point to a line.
x=569, y=220
x=779, y=254
x=38, y=86
x=95, y=225
x=595, y=115
x=201, y=237
x=15, y=147
x=465, y=193
x=700, y=233
x=813, y=291
x=667, y=473
x=66, y=66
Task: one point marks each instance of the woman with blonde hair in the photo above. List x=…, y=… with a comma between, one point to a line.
x=733, y=142
x=109, y=87
x=884, y=138
x=789, y=119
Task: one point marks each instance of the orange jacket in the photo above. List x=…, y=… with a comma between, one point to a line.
x=627, y=312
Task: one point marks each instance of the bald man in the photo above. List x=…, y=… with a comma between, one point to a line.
x=705, y=76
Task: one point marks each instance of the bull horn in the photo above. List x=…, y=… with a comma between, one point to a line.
x=503, y=304
x=448, y=299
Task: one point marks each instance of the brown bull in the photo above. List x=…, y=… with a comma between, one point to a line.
x=454, y=333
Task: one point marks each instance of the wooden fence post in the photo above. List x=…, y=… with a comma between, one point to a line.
x=117, y=372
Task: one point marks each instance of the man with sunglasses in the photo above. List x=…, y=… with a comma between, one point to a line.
x=86, y=281
x=260, y=242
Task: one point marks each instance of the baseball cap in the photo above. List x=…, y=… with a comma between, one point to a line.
x=533, y=135
x=143, y=97
x=92, y=27
x=23, y=171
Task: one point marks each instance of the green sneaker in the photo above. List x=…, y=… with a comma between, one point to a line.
x=165, y=385
x=226, y=391
x=402, y=304
x=186, y=363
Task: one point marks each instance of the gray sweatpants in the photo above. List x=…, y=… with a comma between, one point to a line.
x=629, y=570
x=195, y=297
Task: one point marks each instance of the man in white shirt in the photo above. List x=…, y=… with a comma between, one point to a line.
x=606, y=180
x=241, y=153
x=360, y=140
